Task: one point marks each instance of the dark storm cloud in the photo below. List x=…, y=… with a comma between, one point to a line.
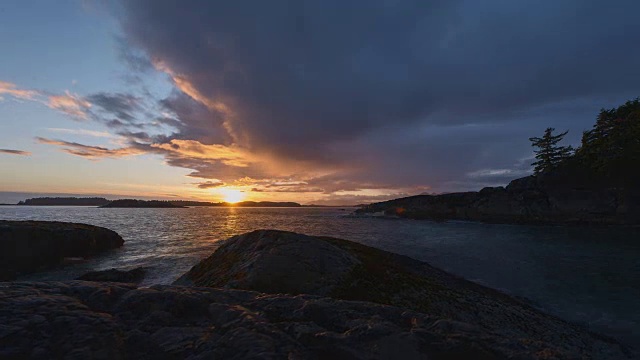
x=136, y=60
x=193, y=120
x=296, y=75
x=389, y=93
x=15, y=152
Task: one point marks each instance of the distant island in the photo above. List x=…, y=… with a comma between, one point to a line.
x=132, y=203
x=65, y=201
x=597, y=183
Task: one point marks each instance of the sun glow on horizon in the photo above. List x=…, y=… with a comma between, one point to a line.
x=232, y=195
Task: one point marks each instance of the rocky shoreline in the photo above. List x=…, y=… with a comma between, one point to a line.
x=544, y=199
x=275, y=294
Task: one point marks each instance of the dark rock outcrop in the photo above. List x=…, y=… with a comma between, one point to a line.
x=274, y=262
x=28, y=246
x=89, y=320
x=544, y=199
x=114, y=275
x=282, y=262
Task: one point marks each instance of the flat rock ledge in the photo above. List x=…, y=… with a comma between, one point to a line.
x=29, y=246
x=280, y=262
x=90, y=320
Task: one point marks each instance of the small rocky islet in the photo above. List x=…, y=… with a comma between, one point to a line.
x=30, y=246
x=272, y=294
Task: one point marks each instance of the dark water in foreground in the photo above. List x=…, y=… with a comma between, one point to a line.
x=585, y=275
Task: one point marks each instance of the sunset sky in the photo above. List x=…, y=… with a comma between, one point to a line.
x=326, y=102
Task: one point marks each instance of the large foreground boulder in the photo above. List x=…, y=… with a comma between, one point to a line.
x=89, y=320
x=274, y=262
x=283, y=262
x=28, y=246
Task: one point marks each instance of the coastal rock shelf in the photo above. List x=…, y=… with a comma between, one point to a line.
x=28, y=246
x=545, y=199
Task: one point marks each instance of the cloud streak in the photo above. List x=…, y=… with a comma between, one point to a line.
x=70, y=104
x=90, y=152
x=7, y=88
x=209, y=184
x=15, y=152
x=83, y=132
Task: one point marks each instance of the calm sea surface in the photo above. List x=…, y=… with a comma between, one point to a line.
x=585, y=275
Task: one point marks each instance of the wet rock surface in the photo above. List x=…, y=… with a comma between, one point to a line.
x=29, y=246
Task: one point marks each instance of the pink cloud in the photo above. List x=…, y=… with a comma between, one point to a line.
x=70, y=104
x=11, y=89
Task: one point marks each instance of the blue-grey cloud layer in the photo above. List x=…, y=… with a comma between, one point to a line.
x=410, y=92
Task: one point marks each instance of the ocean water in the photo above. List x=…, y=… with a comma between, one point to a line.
x=588, y=275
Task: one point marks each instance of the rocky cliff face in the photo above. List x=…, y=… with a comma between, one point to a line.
x=544, y=199
x=27, y=246
x=283, y=262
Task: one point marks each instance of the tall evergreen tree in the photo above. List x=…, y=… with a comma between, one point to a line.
x=549, y=154
x=613, y=145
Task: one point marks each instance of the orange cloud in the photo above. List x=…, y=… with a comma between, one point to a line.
x=221, y=106
x=70, y=104
x=11, y=89
x=232, y=155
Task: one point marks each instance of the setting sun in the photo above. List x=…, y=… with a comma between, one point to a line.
x=232, y=195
